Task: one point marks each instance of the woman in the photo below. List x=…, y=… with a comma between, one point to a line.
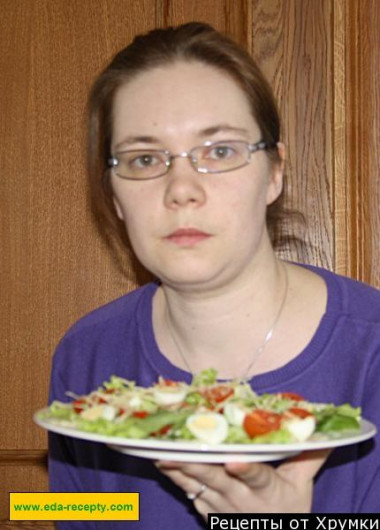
x=185, y=155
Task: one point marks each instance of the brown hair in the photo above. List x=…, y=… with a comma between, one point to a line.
x=193, y=41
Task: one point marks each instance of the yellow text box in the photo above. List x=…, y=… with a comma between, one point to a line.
x=74, y=506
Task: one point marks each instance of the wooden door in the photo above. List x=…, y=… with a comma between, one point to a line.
x=322, y=58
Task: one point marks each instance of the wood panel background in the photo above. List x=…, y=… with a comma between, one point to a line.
x=322, y=58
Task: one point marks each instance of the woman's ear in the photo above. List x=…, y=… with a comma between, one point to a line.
x=118, y=209
x=277, y=176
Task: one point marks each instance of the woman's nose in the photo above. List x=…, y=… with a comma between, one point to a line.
x=184, y=184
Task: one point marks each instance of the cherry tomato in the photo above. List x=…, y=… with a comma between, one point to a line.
x=218, y=394
x=169, y=382
x=140, y=414
x=161, y=431
x=301, y=413
x=260, y=422
x=79, y=405
x=164, y=429
x=291, y=395
x=99, y=400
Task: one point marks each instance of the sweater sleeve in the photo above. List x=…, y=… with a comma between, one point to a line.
x=63, y=471
x=368, y=470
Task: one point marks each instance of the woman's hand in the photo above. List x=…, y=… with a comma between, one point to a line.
x=243, y=487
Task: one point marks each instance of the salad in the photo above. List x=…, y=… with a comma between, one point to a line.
x=205, y=411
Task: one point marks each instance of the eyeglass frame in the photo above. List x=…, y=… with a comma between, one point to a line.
x=112, y=162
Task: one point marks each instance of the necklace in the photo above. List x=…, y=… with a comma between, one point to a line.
x=258, y=351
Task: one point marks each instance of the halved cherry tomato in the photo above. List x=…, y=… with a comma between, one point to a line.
x=301, y=413
x=218, y=394
x=169, y=382
x=99, y=400
x=260, y=422
x=161, y=431
x=164, y=429
x=292, y=395
x=140, y=414
x=79, y=405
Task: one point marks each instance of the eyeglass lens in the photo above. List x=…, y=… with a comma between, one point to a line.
x=209, y=158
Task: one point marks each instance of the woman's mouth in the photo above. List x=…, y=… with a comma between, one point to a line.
x=187, y=237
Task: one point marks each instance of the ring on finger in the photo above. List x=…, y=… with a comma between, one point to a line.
x=193, y=496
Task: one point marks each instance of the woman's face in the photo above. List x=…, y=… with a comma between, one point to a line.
x=193, y=231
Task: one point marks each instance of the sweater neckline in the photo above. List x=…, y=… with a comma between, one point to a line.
x=285, y=375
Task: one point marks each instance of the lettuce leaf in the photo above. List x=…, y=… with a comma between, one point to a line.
x=337, y=423
x=205, y=378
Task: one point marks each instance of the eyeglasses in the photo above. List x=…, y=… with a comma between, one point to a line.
x=211, y=157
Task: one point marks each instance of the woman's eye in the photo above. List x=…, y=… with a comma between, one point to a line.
x=221, y=151
x=143, y=161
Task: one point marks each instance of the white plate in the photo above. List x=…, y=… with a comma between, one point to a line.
x=199, y=452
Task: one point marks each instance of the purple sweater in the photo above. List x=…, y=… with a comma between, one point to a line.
x=340, y=364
